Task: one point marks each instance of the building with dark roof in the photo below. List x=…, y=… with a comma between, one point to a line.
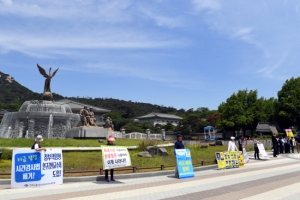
x=76, y=107
x=267, y=127
x=160, y=118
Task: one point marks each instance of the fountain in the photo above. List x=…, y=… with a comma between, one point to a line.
x=40, y=117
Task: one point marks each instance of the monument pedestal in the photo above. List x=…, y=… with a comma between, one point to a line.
x=87, y=132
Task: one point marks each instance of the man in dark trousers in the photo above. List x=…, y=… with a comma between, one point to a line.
x=241, y=143
x=275, y=146
x=178, y=145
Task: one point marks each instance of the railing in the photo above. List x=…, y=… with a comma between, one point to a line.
x=132, y=169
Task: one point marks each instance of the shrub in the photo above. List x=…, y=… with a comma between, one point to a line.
x=194, y=138
x=6, y=154
x=143, y=144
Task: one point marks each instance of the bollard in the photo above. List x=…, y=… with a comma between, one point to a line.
x=162, y=167
x=134, y=169
x=101, y=171
x=202, y=162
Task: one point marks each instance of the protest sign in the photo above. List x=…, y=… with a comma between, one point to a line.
x=262, y=151
x=234, y=159
x=31, y=168
x=246, y=157
x=241, y=159
x=221, y=160
x=184, y=163
x=115, y=157
x=289, y=133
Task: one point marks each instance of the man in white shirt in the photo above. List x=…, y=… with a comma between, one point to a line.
x=231, y=145
x=37, y=144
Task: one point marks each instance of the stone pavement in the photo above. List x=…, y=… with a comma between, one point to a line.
x=277, y=178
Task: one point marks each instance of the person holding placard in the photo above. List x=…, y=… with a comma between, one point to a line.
x=37, y=144
x=256, y=151
x=231, y=145
x=110, y=142
x=178, y=145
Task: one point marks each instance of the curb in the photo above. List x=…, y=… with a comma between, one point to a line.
x=121, y=176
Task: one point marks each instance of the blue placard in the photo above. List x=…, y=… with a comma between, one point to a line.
x=184, y=163
x=28, y=167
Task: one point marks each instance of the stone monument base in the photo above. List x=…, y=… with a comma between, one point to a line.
x=87, y=132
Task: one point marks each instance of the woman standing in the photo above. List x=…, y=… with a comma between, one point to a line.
x=231, y=145
x=110, y=142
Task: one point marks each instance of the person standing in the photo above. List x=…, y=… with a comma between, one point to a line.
x=231, y=145
x=281, y=144
x=37, y=144
x=275, y=146
x=256, y=151
x=110, y=142
x=287, y=147
x=178, y=145
x=298, y=142
x=241, y=143
x=292, y=143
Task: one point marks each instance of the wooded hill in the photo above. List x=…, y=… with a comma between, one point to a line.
x=13, y=94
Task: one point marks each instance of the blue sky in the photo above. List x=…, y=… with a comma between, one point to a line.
x=184, y=54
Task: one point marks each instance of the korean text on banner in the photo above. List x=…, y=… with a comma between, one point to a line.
x=262, y=151
x=184, y=163
x=115, y=157
x=36, y=169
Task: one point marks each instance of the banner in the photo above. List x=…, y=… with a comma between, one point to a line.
x=232, y=159
x=221, y=160
x=246, y=157
x=289, y=133
x=262, y=151
x=184, y=163
x=32, y=168
x=241, y=159
x=115, y=157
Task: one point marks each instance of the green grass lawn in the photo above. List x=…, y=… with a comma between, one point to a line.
x=92, y=160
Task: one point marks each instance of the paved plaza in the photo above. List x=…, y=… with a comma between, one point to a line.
x=277, y=178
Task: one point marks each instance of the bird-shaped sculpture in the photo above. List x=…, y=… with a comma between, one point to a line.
x=48, y=78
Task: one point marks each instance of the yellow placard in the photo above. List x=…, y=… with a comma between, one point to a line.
x=289, y=133
x=221, y=160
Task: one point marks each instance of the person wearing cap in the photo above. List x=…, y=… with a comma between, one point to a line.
x=178, y=145
x=110, y=142
x=37, y=144
x=231, y=145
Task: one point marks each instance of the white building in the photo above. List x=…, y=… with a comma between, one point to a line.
x=160, y=118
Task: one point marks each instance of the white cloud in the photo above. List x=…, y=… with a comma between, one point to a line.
x=7, y=2
x=206, y=4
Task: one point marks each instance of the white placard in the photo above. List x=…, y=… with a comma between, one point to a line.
x=31, y=169
x=246, y=157
x=262, y=151
x=115, y=157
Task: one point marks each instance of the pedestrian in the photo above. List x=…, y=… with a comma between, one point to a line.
x=287, y=147
x=37, y=144
x=275, y=146
x=256, y=151
x=298, y=143
x=281, y=144
x=110, y=142
x=231, y=145
x=241, y=143
x=178, y=145
x=292, y=143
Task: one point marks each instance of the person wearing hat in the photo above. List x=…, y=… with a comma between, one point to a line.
x=37, y=144
x=110, y=142
x=178, y=145
x=231, y=145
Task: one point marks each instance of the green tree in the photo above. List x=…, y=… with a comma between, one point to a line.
x=238, y=111
x=288, y=105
